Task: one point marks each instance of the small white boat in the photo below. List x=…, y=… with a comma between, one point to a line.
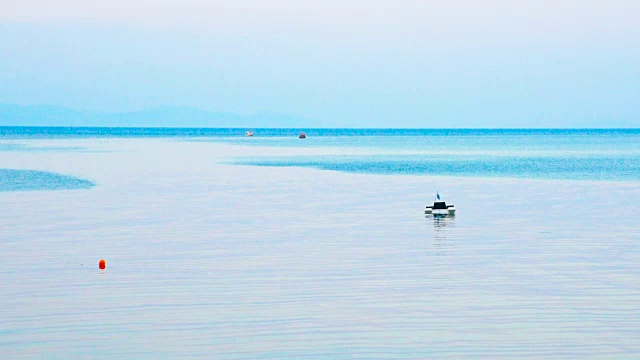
x=440, y=207
x=248, y=133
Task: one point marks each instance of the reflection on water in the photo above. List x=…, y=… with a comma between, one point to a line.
x=442, y=226
x=441, y=221
x=438, y=217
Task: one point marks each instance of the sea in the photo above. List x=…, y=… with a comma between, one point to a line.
x=223, y=246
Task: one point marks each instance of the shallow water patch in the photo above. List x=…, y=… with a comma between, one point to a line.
x=31, y=180
x=561, y=167
x=31, y=148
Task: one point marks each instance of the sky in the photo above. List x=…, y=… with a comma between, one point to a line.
x=342, y=63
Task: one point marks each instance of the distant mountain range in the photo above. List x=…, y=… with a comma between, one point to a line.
x=188, y=117
x=165, y=116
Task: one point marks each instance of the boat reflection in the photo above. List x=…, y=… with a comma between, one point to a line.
x=442, y=226
x=441, y=221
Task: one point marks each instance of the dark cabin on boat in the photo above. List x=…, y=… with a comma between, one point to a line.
x=439, y=205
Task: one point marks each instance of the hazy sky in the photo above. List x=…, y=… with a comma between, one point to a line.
x=352, y=63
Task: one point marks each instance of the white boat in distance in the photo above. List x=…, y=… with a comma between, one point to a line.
x=248, y=133
x=440, y=207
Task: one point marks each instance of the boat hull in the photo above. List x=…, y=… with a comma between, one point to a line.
x=449, y=211
x=440, y=208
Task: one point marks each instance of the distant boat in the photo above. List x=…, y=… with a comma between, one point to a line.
x=248, y=133
x=440, y=207
x=302, y=136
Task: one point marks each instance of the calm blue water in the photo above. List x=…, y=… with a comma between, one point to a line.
x=43, y=132
x=626, y=168
x=24, y=180
x=207, y=259
x=612, y=154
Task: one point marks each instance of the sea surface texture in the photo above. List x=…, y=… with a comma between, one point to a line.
x=271, y=247
x=23, y=180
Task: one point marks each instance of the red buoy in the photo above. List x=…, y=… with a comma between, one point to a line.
x=102, y=264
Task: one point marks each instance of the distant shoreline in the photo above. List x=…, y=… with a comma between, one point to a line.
x=366, y=129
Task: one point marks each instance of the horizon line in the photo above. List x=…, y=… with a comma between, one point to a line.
x=312, y=128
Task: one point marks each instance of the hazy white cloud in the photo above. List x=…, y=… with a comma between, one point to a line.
x=349, y=61
x=360, y=23
x=549, y=18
